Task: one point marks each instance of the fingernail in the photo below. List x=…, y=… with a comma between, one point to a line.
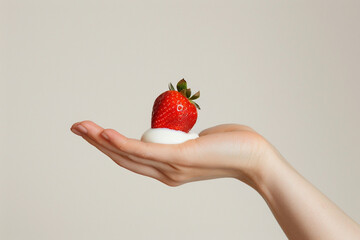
x=81, y=129
x=76, y=131
x=104, y=135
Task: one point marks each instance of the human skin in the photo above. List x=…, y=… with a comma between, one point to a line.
x=236, y=151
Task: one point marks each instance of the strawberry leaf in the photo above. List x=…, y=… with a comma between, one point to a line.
x=196, y=105
x=181, y=85
x=183, y=92
x=171, y=87
x=188, y=93
x=195, y=96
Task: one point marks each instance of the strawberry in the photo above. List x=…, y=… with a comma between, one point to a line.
x=175, y=109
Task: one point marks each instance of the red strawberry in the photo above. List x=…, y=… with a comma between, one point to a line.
x=175, y=109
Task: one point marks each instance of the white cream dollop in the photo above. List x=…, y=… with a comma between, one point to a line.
x=167, y=136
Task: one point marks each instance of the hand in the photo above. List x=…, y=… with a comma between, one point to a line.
x=231, y=151
x=228, y=150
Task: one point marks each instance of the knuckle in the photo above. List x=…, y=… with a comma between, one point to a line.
x=87, y=122
x=172, y=184
x=177, y=177
x=255, y=135
x=168, y=181
x=247, y=128
x=182, y=158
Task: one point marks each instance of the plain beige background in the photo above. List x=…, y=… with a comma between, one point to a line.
x=289, y=69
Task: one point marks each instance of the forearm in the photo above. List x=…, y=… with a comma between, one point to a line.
x=302, y=211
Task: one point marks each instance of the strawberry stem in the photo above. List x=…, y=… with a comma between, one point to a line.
x=186, y=92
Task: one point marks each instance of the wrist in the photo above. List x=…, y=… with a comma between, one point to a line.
x=266, y=166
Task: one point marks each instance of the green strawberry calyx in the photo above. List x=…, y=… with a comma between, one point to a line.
x=186, y=92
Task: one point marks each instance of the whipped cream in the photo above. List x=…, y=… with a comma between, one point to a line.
x=167, y=136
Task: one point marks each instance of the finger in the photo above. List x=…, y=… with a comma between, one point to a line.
x=225, y=128
x=93, y=131
x=90, y=129
x=168, y=153
x=75, y=130
x=132, y=166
